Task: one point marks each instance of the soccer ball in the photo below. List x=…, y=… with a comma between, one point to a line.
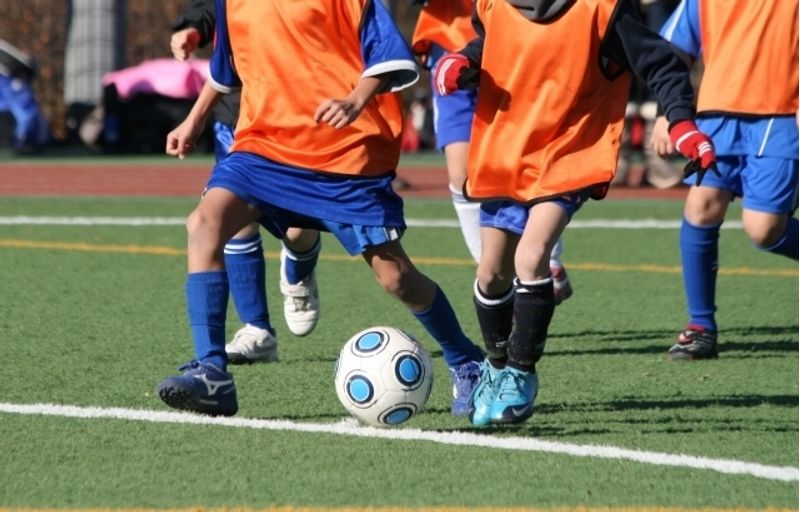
x=383, y=376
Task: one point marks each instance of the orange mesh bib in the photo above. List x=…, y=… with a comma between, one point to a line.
x=548, y=120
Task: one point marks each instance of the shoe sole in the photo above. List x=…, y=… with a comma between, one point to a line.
x=179, y=398
x=302, y=333
x=481, y=421
x=506, y=419
x=303, y=330
x=682, y=356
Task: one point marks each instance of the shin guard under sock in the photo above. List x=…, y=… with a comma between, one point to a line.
x=534, y=304
x=495, y=316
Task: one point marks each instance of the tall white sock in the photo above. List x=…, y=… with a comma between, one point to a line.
x=469, y=217
x=555, y=254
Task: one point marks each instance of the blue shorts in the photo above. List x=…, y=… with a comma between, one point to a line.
x=452, y=114
x=511, y=216
x=452, y=117
x=775, y=136
x=765, y=184
x=223, y=139
x=360, y=212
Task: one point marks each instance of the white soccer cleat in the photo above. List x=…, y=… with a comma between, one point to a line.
x=252, y=344
x=300, y=302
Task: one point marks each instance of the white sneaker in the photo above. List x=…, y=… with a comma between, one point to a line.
x=300, y=302
x=252, y=344
x=562, y=288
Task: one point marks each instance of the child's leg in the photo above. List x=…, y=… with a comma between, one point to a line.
x=494, y=307
x=399, y=277
x=244, y=258
x=772, y=232
x=244, y=262
x=704, y=212
x=786, y=241
x=534, y=301
x=495, y=316
x=219, y=215
x=468, y=213
x=533, y=309
x=769, y=202
x=699, y=247
x=515, y=388
x=301, y=248
x=494, y=292
x=562, y=288
x=206, y=306
x=555, y=254
x=205, y=386
x=299, y=255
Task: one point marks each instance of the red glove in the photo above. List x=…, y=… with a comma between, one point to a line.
x=696, y=146
x=453, y=72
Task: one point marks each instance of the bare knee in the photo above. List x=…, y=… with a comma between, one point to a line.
x=202, y=229
x=532, y=262
x=706, y=206
x=494, y=280
x=763, y=229
x=301, y=240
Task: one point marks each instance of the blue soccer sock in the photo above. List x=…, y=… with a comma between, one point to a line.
x=206, y=305
x=700, y=259
x=787, y=245
x=244, y=263
x=441, y=323
x=299, y=265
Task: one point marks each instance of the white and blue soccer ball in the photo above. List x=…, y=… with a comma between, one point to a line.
x=383, y=376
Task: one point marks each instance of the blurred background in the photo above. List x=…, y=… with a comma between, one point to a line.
x=72, y=44
x=58, y=58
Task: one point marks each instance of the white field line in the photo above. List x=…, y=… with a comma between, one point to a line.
x=349, y=427
x=25, y=220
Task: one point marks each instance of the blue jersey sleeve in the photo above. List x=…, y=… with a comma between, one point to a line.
x=384, y=50
x=223, y=75
x=682, y=29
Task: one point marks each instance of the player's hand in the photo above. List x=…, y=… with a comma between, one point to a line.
x=338, y=113
x=660, y=142
x=180, y=141
x=452, y=72
x=184, y=42
x=696, y=146
x=694, y=166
